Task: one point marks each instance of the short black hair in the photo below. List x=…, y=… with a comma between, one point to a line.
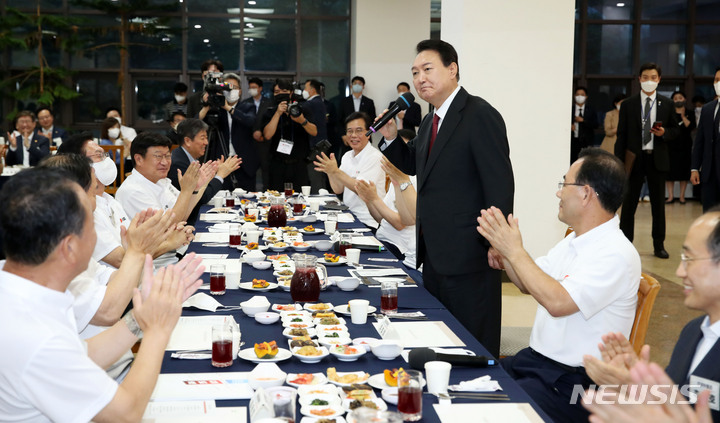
x=255, y=80
x=713, y=239
x=41, y=108
x=698, y=99
x=189, y=128
x=41, y=206
x=358, y=78
x=407, y=133
x=206, y=65
x=107, y=123
x=605, y=173
x=24, y=113
x=403, y=84
x=580, y=87
x=145, y=140
x=111, y=108
x=315, y=84
x=176, y=113
x=447, y=52
x=284, y=84
x=678, y=92
x=650, y=66
x=75, y=144
x=180, y=87
x=359, y=115
x=619, y=97
x=77, y=166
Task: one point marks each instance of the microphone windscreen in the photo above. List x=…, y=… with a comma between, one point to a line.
x=405, y=100
x=417, y=357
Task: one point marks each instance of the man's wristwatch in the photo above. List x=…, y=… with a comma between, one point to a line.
x=132, y=324
x=304, y=123
x=404, y=186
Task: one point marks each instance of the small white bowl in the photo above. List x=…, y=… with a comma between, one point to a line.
x=266, y=375
x=253, y=257
x=310, y=359
x=261, y=265
x=348, y=284
x=249, y=195
x=390, y=395
x=367, y=343
x=323, y=245
x=267, y=318
x=253, y=309
x=311, y=218
x=347, y=357
x=386, y=349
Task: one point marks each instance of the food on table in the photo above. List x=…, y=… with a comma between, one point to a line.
x=288, y=228
x=252, y=246
x=300, y=244
x=280, y=244
x=291, y=233
x=297, y=319
x=358, y=392
x=329, y=321
x=334, y=328
x=322, y=314
x=250, y=218
x=273, y=192
x=323, y=412
x=302, y=343
x=271, y=239
x=332, y=335
x=346, y=349
x=279, y=257
x=331, y=258
x=362, y=403
x=391, y=376
x=298, y=325
x=285, y=272
x=286, y=307
x=346, y=378
x=304, y=379
x=260, y=283
x=318, y=401
x=321, y=306
x=326, y=421
x=309, y=350
x=266, y=349
x=298, y=332
x=309, y=228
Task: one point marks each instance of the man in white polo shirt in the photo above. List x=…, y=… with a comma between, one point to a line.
x=586, y=285
x=360, y=163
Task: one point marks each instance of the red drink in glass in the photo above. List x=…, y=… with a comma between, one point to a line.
x=276, y=216
x=410, y=400
x=222, y=354
x=229, y=202
x=288, y=192
x=343, y=247
x=305, y=285
x=235, y=240
x=297, y=208
x=388, y=303
x=217, y=284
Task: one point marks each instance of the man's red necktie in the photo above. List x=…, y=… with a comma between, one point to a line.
x=436, y=121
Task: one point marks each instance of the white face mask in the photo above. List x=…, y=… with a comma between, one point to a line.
x=306, y=94
x=357, y=88
x=717, y=87
x=105, y=171
x=179, y=98
x=253, y=92
x=648, y=86
x=113, y=132
x=119, y=119
x=232, y=96
x=617, y=107
x=580, y=99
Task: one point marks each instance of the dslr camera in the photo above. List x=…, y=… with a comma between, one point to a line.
x=294, y=100
x=214, y=86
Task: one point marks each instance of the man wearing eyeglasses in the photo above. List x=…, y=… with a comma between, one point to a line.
x=697, y=352
x=586, y=285
x=149, y=187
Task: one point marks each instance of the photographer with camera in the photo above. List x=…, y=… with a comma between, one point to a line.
x=230, y=128
x=288, y=130
x=195, y=100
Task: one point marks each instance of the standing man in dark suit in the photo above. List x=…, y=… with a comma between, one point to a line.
x=29, y=147
x=706, y=151
x=410, y=118
x=317, y=114
x=355, y=102
x=260, y=103
x=462, y=161
x=46, y=126
x=584, y=123
x=196, y=99
x=646, y=125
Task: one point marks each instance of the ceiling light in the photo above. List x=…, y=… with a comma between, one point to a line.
x=198, y=26
x=621, y=5
x=206, y=40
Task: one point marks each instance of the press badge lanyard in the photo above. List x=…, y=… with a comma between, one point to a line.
x=285, y=146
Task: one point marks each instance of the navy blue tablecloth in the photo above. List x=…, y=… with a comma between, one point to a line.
x=409, y=299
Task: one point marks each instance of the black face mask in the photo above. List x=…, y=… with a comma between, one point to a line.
x=679, y=104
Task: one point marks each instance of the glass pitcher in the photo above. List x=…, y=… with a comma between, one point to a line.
x=276, y=216
x=305, y=284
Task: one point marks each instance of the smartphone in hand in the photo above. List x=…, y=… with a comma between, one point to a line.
x=657, y=124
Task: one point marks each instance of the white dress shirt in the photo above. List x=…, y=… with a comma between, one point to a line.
x=710, y=337
x=653, y=115
x=404, y=239
x=366, y=166
x=109, y=217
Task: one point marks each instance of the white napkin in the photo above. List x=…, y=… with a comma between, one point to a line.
x=323, y=191
x=257, y=300
x=219, y=227
x=203, y=302
x=481, y=384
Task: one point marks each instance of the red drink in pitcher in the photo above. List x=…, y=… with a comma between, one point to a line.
x=305, y=285
x=276, y=216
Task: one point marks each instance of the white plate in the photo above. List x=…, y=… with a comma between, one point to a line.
x=249, y=287
x=260, y=247
x=347, y=357
x=378, y=381
x=338, y=419
x=327, y=388
x=331, y=342
x=390, y=395
x=286, y=332
x=298, y=325
x=299, y=312
x=341, y=321
x=306, y=400
x=277, y=307
x=249, y=355
x=307, y=411
x=343, y=309
x=279, y=249
x=331, y=328
x=381, y=405
x=340, y=374
x=301, y=248
x=309, y=307
x=315, y=232
x=318, y=379
x=311, y=359
x=340, y=262
x=277, y=272
x=315, y=342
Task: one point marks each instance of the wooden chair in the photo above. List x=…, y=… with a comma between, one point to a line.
x=115, y=151
x=647, y=293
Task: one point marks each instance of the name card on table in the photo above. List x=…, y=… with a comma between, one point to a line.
x=202, y=386
x=420, y=334
x=383, y=327
x=192, y=412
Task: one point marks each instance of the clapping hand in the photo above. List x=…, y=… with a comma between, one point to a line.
x=326, y=164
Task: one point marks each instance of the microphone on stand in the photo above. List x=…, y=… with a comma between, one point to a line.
x=402, y=103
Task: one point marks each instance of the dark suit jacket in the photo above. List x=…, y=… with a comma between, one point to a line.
x=39, y=149
x=467, y=170
x=194, y=104
x=630, y=130
x=413, y=116
x=314, y=111
x=57, y=132
x=264, y=104
x=347, y=107
x=181, y=161
x=590, y=122
x=683, y=354
x=243, y=119
x=702, y=148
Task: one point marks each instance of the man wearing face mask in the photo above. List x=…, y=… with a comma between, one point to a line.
x=584, y=123
x=317, y=114
x=126, y=131
x=706, y=151
x=179, y=102
x=356, y=102
x=646, y=125
x=260, y=103
x=410, y=118
x=232, y=135
x=172, y=133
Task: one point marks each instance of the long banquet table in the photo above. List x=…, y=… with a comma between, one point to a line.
x=409, y=299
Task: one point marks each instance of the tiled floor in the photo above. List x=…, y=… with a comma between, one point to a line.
x=669, y=314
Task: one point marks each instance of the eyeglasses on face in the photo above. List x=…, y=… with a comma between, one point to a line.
x=160, y=157
x=358, y=131
x=562, y=184
x=684, y=259
x=99, y=156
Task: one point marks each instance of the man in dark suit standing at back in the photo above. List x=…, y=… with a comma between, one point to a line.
x=584, y=123
x=462, y=161
x=647, y=123
x=356, y=102
x=29, y=147
x=410, y=118
x=317, y=114
x=706, y=151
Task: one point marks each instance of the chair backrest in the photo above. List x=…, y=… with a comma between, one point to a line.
x=116, y=151
x=649, y=288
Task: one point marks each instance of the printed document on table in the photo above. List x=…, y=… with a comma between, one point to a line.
x=487, y=413
x=202, y=386
x=422, y=334
x=211, y=237
x=192, y=412
x=194, y=333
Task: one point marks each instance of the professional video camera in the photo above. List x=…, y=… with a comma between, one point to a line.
x=215, y=88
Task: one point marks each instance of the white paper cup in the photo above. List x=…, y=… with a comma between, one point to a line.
x=233, y=273
x=358, y=311
x=253, y=212
x=330, y=227
x=305, y=190
x=437, y=374
x=253, y=236
x=353, y=255
x=218, y=201
x=314, y=205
